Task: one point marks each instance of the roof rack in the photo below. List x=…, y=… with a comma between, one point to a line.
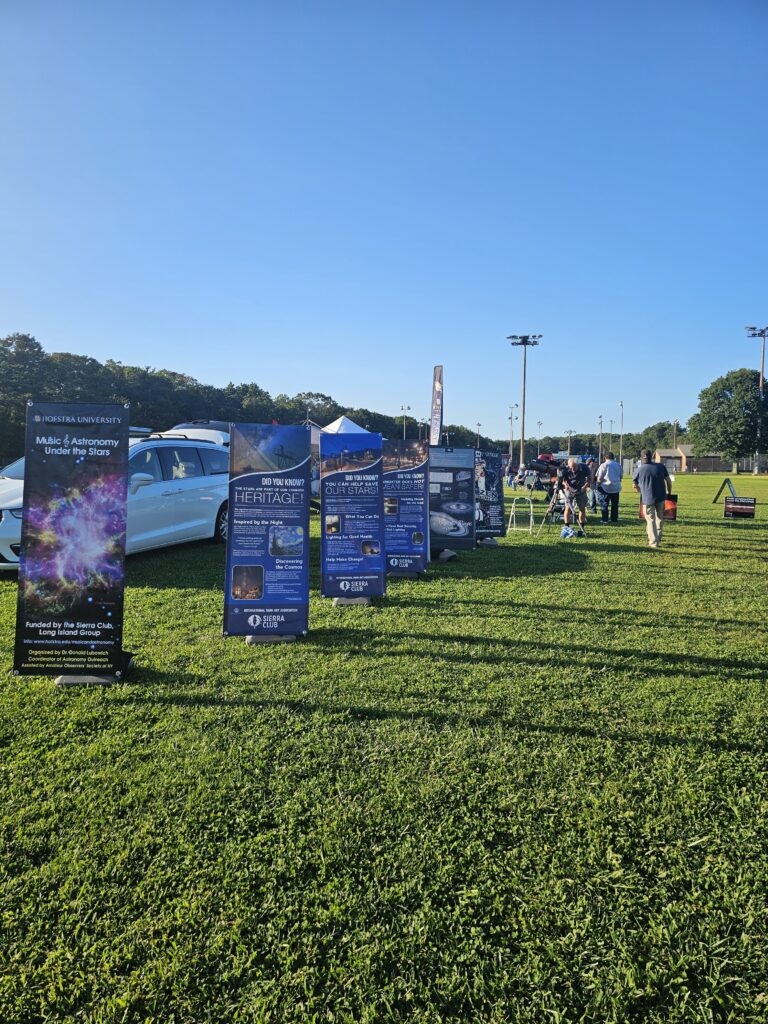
x=163, y=435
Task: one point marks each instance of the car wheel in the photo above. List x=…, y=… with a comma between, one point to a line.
x=220, y=529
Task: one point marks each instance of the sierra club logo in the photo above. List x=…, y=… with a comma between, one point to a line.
x=254, y=620
x=345, y=585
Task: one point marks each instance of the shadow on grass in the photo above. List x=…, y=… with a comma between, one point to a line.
x=443, y=719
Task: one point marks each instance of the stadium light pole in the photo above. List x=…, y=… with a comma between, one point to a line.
x=404, y=409
x=621, y=435
x=538, y=438
x=759, y=332
x=524, y=341
x=512, y=428
x=610, y=436
x=477, y=442
x=569, y=434
x=675, y=425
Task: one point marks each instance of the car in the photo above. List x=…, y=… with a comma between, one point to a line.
x=177, y=492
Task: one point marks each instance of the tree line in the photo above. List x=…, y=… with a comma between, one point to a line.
x=731, y=418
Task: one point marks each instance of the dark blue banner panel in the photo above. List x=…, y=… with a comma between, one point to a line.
x=406, y=506
x=69, y=617
x=452, y=498
x=489, y=493
x=352, y=513
x=267, y=581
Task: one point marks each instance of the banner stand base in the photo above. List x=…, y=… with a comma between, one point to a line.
x=446, y=555
x=251, y=639
x=488, y=542
x=404, y=575
x=78, y=680
x=340, y=601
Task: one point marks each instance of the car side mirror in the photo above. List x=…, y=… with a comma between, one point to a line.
x=140, y=480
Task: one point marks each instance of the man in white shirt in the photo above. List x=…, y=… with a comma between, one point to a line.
x=608, y=482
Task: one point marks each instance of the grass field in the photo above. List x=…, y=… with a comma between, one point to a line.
x=529, y=788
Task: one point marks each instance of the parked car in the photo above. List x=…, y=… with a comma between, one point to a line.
x=177, y=492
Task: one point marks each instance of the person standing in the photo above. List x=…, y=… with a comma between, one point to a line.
x=591, y=492
x=652, y=481
x=608, y=482
x=575, y=482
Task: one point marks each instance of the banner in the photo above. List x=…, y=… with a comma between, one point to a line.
x=406, y=505
x=69, y=617
x=436, y=414
x=739, y=508
x=489, y=493
x=267, y=580
x=351, y=519
x=670, y=509
x=452, y=498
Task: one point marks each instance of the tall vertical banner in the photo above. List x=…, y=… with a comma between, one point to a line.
x=452, y=498
x=69, y=615
x=406, y=506
x=267, y=578
x=489, y=493
x=436, y=412
x=351, y=515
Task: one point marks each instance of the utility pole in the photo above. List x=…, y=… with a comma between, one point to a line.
x=512, y=428
x=621, y=435
x=538, y=438
x=569, y=434
x=524, y=341
x=477, y=443
x=759, y=332
x=600, y=442
x=674, y=433
x=610, y=436
x=404, y=409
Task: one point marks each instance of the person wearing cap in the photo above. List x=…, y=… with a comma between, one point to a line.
x=608, y=482
x=652, y=481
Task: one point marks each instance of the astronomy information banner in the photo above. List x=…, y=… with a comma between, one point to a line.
x=267, y=582
x=406, y=502
x=489, y=493
x=452, y=498
x=69, y=618
x=352, y=515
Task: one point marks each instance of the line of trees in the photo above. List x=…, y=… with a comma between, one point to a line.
x=162, y=398
x=730, y=420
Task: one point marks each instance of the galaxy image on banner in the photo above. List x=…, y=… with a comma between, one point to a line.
x=71, y=566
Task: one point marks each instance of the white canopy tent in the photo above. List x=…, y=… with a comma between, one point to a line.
x=344, y=425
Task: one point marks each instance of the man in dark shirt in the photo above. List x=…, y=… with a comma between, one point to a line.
x=575, y=483
x=652, y=481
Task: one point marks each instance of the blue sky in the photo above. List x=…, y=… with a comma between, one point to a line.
x=334, y=196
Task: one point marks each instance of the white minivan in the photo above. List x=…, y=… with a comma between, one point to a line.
x=177, y=491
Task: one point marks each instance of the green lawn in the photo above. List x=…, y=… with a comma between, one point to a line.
x=529, y=788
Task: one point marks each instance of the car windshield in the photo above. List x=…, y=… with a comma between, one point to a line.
x=13, y=471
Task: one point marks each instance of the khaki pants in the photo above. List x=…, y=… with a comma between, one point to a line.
x=654, y=521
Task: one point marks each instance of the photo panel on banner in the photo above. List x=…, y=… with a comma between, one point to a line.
x=489, y=493
x=267, y=575
x=406, y=506
x=452, y=498
x=69, y=618
x=352, y=515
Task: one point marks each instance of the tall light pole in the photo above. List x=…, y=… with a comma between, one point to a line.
x=674, y=433
x=512, y=427
x=538, y=437
x=610, y=436
x=621, y=435
x=600, y=442
x=404, y=409
x=759, y=332
x=524, y=341
x=569, y=434
x=477, y=443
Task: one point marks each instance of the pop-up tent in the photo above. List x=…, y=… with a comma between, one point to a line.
x=344, y=425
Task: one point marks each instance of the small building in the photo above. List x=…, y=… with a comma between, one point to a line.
x=682, y=460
